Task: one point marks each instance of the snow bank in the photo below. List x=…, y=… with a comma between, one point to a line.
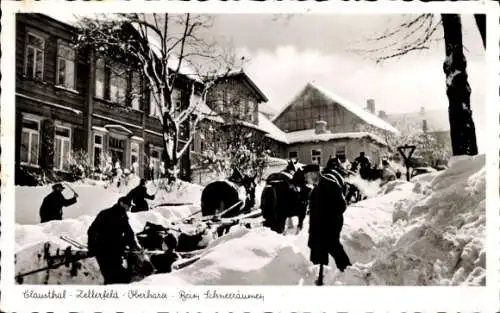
x=244, y=257
x=93, y=197
x=31, y=236
x=435, y=237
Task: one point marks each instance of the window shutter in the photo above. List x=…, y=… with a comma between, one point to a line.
x=47, y=144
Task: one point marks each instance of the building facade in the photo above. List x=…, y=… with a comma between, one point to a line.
x=319, y=124
x=69, y=101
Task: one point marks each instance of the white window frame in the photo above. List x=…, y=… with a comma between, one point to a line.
x=124, y=150
x=99, y=146
x=132, y=153
x=60, y=167
x=31, y=131
x=66, y=60
x=27, y=47
x=156, y=162
x=314, y=158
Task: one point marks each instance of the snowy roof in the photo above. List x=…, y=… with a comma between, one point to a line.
x=309, y=135
x=245, y=76
x=271, y=129
x=208, y=113
x=348, y=105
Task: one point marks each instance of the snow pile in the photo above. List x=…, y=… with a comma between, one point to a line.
x=243, y=257
x=32, y=239
x=367, y=188
x=94, y=197
x=436, y=236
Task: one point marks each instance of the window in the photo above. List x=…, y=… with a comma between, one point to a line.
x=292, y=155
x=98, y=148
x=176, y=98
x=316, y=156
x=35, y=47
x=136, y=91
x=65, y=66
x=62, y=147
x=250, y=110
x=341, y=153
x=134, y=152
x=117, y=87
x=153, y=107
x=117, y=150
x=155, y=163
x=100, y=77
x=30, y=141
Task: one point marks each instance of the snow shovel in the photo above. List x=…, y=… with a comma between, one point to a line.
x=71, y=188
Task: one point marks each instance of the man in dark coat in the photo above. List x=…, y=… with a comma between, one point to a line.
x=53, y=203
x=364, y=165
x=278, y=197
x=326, y=220
x=109, y=237
x=138, y=196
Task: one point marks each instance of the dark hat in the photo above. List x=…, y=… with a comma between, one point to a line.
x=57, y=186
x=125, y=200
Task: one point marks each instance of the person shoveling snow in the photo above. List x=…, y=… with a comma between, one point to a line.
x=53, y=203
x=109, y=236
x=327, y=206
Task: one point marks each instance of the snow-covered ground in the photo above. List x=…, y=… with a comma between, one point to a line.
x=430, y=231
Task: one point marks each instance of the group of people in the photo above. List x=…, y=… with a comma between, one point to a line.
x=112, y=241
x=110, y=237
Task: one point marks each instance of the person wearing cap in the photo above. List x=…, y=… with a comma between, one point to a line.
x=109, y=238
x=326, y=208
x=364, y=165
x=51, y=208
x=138, y=196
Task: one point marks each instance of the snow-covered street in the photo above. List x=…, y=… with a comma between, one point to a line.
x=430, y=231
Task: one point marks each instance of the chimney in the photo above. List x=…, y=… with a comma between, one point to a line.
x=424, y=126
x=382, y=114
x=370, y=106
x=320, y=127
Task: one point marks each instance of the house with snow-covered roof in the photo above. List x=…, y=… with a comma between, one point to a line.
x=318, y=124
x=68, y=100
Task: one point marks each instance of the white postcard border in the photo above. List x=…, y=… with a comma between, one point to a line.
x=309, y=299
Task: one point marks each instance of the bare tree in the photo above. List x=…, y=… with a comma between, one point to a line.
x=234, y=143
x=418, y=33
x=169, y=49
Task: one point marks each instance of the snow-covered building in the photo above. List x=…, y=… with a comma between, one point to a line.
x=318, y=124
x=66, y=102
